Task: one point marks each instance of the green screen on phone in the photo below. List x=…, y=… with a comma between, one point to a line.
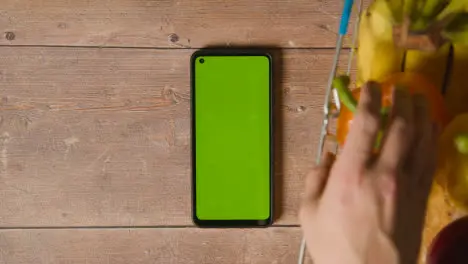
x=232, y=137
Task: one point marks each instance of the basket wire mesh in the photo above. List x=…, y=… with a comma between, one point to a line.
x=331, y=108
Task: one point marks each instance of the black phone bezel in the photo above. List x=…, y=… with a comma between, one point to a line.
x=230, y=52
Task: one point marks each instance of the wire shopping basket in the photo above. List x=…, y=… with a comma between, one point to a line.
x=330, y=112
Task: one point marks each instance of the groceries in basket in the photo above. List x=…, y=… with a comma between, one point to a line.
x=420, y=45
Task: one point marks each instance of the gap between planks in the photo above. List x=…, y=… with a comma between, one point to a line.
x=133, y=227
x=168, y=48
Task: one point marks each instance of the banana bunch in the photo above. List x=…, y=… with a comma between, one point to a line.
x=417, y=36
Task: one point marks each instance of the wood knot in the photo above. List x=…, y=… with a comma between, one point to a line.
x=174, y=38
x=62, y=25
x=10, y=35
x=300, y=109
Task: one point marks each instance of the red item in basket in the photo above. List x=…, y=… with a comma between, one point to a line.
x=450, y=246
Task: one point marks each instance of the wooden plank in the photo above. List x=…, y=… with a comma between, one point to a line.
x=164, y=246
x=170, y=23
x=100, y=137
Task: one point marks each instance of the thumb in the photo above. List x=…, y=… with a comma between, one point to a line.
x=316, y=179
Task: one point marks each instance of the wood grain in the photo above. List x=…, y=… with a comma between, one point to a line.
x=161, y=246
x=93, y=137
x=100, y=137
x=170, y=23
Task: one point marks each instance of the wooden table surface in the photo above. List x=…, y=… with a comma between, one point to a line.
x=94, y=126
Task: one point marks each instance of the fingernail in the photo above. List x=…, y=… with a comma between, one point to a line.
x=400, y=96
x=375, y=94
x=400, y=90
x=399, y=87
x=436, y=130
x=374, y=90
x=419, y=100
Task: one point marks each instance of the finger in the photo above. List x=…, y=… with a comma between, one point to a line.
x=364, y=129
x=422, y=123
x=399, y=135
x=388, y=192
x=423, y=153
x=436, y=131
x=317, y=178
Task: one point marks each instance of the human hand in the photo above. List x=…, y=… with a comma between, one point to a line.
x=358, y=208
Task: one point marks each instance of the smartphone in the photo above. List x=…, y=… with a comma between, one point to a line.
x=232, y=138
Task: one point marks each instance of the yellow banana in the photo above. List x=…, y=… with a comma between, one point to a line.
x=457, y=30
x=432, y=64
x=457, y=91
x=454, y=6
x=428, y=12
x=377, y=56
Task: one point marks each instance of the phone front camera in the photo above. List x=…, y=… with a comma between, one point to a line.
x=202, y=60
